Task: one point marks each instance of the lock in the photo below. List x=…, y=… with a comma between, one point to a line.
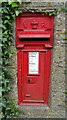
x=31, y=80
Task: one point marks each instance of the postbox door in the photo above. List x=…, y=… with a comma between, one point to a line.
x=33, y=76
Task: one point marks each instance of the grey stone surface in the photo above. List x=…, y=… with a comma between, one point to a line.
x=56, y=108
x=40, y=6
x=44, y=1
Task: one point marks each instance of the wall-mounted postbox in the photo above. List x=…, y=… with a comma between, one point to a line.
x=34, y=42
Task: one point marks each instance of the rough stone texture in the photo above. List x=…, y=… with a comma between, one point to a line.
x=13, y=67
x=40, y=6
x=66, y=55
x=44, y=1
x=56, y=108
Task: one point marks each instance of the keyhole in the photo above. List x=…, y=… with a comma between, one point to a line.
x=29, y=80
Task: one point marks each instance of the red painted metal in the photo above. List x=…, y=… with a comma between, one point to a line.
x=34, y=33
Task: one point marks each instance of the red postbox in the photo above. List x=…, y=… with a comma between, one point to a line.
x=34, y=42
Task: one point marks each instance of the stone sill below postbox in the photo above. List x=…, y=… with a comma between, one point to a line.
x=43, y=107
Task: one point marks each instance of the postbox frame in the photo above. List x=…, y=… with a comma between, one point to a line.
x=47, y=48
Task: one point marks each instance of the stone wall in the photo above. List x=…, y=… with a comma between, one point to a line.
x=56, y=108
